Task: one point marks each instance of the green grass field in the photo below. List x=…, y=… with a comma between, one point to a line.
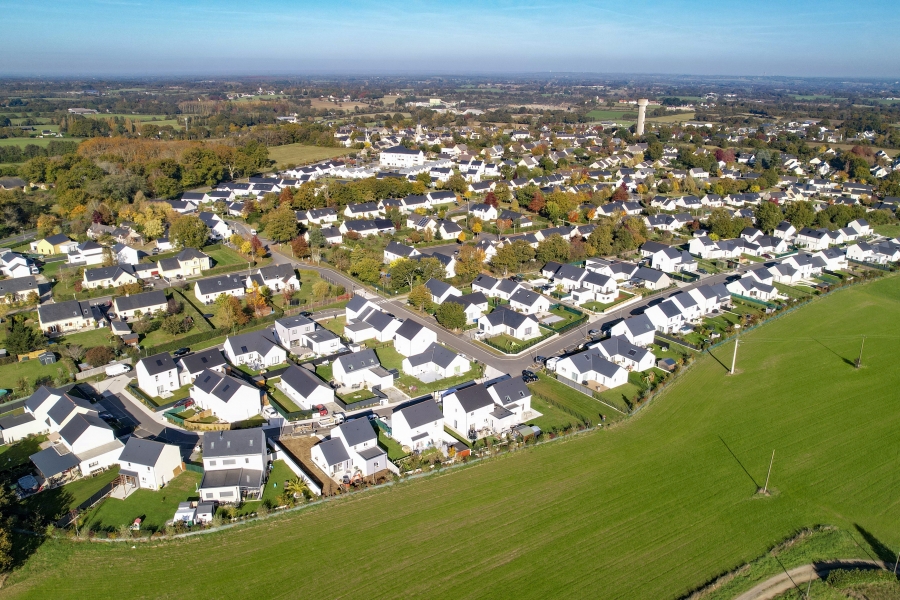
x=42, y=142
x=153, y=508
x=299, y=154
x=650, y=508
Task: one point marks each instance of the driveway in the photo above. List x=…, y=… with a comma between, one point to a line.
x=783, y=582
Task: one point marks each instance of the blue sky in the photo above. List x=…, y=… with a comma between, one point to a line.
x=195, y=37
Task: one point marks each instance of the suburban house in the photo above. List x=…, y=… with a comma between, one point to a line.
x=290, y=330
x=157, y=374
x=87, y=253
x=13, y=264
x=235, y=464
x=672, y=260
x=257, y=349
x=207, y=290
x=36, y=416
x=193, y=364
x=413, y=338
x=332, y=457
x=318, y=216
x=365, y=227
x=441, y=291
x=72, y=315
x=275, y=277
x=638, y=330
x=652, y=279
x=473, y=413
x=374, y=325
x=502, y=320
x=322, y=341
x=364, y=210
x=305, y=388
x=485, y=212
x=418, y=426
x=495, y=288
x=401, y=157
x=361, y=442
x=667, y=317
x=126, y=255
x=593, y=369
x=190, y=262
x=474, y=305
x=109, y=276
x=218, y=228
x=620, y=350
x=436, y=362
x=19, y=288
x=86, y=441
x=147, y=303
x=361, y=369
x=229, y=398
x=529, y=302
x=513, y=395
x=395, y=250
x=750, y=287
x=358, y=307
x=149, y=465
x=55, y=244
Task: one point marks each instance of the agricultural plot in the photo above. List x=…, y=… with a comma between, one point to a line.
x=299, y=154
x=624, y=506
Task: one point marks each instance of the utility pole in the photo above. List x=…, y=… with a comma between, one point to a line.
x=734, y=358
x=859, y=359
x=766, y=488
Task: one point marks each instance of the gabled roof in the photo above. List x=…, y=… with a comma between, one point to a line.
x=409, y=329
x=594, y=361
x=333, y=451
x=141, y=452
x=504, y=316
x=235, y=442
x=80, y=423
x=204, y=359
x=357, y=431
x=526, y=297
x=437, y=287
x=435, y=354
x=221, y=284
x=140, y=301
x=421, y=413
x=468, y=300
x=399, y=249
x=474, y=397
x=158, y=363
x=260, y=342
x=357, y=361
x=223, y=387
x=302, y=381
x=511, y=390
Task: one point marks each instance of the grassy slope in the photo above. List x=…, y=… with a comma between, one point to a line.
x=300, y=154
x=648, y=509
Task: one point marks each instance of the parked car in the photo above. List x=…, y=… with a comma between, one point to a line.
x=106, y=416
x=540, y=359
x=252, y=232
x=323, y=412
x=306, y=313
x=181, y=352
x=116, y=370
x=529, y=376
x=269, y=413
x=154, y=251
x=594, y=332
x=111, y=316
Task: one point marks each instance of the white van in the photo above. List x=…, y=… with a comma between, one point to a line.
x=115, y=370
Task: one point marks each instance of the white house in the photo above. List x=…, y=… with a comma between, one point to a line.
x=290, y=330
x=495, y=288
x=191, y=365
x=441, y=291
x=621, y=351
x=257, y=349
x=472, y=412
x=485, y=212
x=401, y=157
x=638, y=330
x=207, y=290
x=529, y=302
x=157, y=374
x=593, y=369
x=413, y=338
x=229, y=398
x=374, y=325
x=322, y=341
x=147, y=303
x=305, y=388
x=361, y=441
x=513, y=395
x=218, y=228
x=361, y=369
x=149, y=465
x=395, y=250
x=502, y=320
x=436, y=362
x=667, y=317
x=358, y=307
x=418, y=426
x=332, y=457
x=752, y=288
x=87, y=253
x=474, y=305
x=234, y=465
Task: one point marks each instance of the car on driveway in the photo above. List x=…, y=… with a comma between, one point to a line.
x=181, y=352
x=323, y=412
x=529, y=376
x=540, y=359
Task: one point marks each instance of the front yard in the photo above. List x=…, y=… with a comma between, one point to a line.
x=391, y=446
x=600, y=307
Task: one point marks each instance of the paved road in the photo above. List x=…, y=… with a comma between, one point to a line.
x=771, y=588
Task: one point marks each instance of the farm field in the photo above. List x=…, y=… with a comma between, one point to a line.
x=650, y=508
x=300, y=154
x=42, y=142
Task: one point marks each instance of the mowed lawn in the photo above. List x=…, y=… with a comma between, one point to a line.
x=649, y=508
x=300, y=154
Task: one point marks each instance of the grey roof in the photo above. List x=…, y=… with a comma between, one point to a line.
x=504, y=316
x=15, y=420
x=291, y=322
x=371, y=452
x=234, y=442
x=378, y=320
x=433, y=354
x=18, y=285
x=437, y=287
x=302, y=381
x=139, y=301
x=526, y=297
x=80, y=423
x=401, y=150
x=670, y=309
x=205, y=359
x=356, y=303
x=50, y=462
x=511, y=390
x=334, y=451
x=365, y=359
x=245, y=478
x=321, y=335
x=220, y=284
x=260, y=342
x=506, y=286
x=39, y=396
x=473, y=397
x=141, y=452
x=485, y=281
x=469, y=299
x=60, y=311
x=500, y=413
x=223, y=387
x=59, y=238
x=618, y=345
x=593, y=360
x=113, y=272
x=158, y=363
x=368, y=225
x=409, y=329
x=419, y=414
x=648, y=274
x=399, y=249
x=357, y=431
x=282, y=272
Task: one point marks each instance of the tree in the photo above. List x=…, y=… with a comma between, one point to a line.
x=469, y=262
x=554, y=248
x=175, y=325
x=300, y=247
x=174, y=307
x=73, y=351
x=457, y=183
x=476, y=227
x=317, y=238
x=189, y=231
x=153, y=228
x=20, y=338
x=768, y=216
x=47, y=225
x=320, y=290
x=109, y=258
x=537, y=203
x=512, y=256
x=491, y=199
x=451, y=315
x=230, y=311
x=255, y=244
x=403, y=271
x=367, y=269
x=99, y=356
x=281, y=225
x=420, y=297
x=800, y=214
x=432, y=268
x=461, y=237
x=621, y=194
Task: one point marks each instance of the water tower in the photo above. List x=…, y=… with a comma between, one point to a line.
x=642, y=110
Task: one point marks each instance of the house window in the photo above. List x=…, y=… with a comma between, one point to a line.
x=229, y=461
x=246, y=461
x=212, y=463
x=209, y=495
x=226, y=494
